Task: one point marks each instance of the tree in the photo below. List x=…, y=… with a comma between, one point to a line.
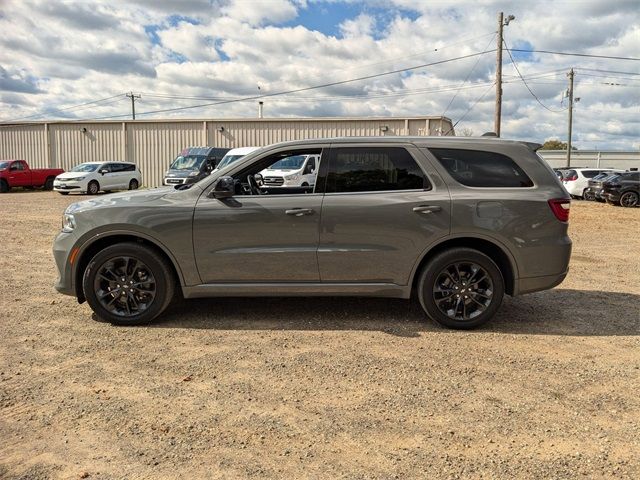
x=467, y=132
x=553, y=144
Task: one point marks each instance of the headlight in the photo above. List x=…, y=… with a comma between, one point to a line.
x=68, y=222
x=77, y=179
x=194, y=174
x=295, y=176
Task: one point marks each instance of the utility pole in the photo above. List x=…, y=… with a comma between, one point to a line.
x=498, y=110
x=133, y=104
x=570, y=95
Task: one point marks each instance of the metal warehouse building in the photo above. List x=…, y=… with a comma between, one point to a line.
x=152, y=144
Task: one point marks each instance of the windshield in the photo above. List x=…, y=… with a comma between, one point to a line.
x=187, y=162
x=85, y=167
x=228, y=160
x=289, y=163
x=4, y=164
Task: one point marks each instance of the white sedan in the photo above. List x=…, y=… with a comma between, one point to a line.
x=92, y=177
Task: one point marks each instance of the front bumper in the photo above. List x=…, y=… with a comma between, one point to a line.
x=63, y=246
x=66, y=186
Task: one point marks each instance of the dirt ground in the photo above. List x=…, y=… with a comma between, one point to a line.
x=321, y=388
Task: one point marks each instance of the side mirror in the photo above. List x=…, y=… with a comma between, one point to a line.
x=103, y=171
x=225, y=187
x=259, y=179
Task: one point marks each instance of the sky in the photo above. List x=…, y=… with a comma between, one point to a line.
x=77, y=59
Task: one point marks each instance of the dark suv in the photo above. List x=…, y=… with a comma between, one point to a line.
x=193, y=164
x=623, y=190
x=456, y=222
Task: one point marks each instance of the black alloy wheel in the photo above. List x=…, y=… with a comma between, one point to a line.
x=125, y=286
x=629, y=199
x=128, y=284
x=461, y=288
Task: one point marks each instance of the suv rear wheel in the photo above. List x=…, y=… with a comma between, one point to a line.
x=128, y=284
x=461, y=288
x=629, y=199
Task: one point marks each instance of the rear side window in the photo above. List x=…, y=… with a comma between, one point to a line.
x=128, y=167
x=590, y=173
x=374, y=169
x=475, y=168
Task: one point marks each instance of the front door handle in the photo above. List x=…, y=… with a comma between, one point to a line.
x=427, y=209
x=299, y=212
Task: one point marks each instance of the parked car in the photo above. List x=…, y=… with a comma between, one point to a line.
x=193, y=164
x=293, y=171
x=17, y=173
x=593, y=185
x=575, y=180
x=235, y=154
x=623, y=190
x=92, y=177
x=457, y=221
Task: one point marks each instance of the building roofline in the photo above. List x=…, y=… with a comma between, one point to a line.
x=223, y=120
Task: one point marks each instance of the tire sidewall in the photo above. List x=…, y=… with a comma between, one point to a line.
x=634, y=194
x=431, y=271
x=93, y=182
x=164, y=290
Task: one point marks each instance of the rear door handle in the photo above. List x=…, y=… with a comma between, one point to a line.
x=427, y=209
x=298, y=212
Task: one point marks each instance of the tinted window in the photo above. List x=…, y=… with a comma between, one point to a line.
x=481, y=169
x=374, y=169
x=117, y=167
x=630, y=176
x=590, y=173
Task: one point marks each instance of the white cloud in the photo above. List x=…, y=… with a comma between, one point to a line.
x=79, y=51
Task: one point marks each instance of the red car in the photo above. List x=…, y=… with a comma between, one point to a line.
x=16, y=173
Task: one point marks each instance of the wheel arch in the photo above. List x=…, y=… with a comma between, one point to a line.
x=98, y=242
x=494, y=250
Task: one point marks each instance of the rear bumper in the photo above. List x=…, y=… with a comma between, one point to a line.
x=536, y=284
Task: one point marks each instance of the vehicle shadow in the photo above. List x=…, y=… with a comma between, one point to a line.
x=554, y=312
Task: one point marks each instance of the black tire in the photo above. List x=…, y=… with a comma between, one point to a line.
x=489, y=291
x=155, y=271
x=4, y=186
x=48, y=184
x=589, y=196
x=93, y=188
x=629, y=199
x=133, y=184
x=63, y=193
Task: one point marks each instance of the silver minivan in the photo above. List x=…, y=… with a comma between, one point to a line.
x=455, y=222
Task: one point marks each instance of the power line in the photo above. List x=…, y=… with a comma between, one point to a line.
x=71, y=107
x=470, y=108
x=607, y=71
x=468, y=75
x=314, y=87
x=611, y=57
x=515, y=65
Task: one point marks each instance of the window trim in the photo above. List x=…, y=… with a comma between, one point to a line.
x=332, y=155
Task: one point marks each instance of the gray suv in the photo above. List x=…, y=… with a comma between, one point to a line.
x=457, y=222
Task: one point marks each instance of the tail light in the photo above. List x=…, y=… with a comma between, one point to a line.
x=572, y=178
x=560, y=208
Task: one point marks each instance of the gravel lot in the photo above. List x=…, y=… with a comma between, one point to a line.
x=322, y=388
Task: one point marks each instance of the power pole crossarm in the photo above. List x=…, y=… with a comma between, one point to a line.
x=133, y=104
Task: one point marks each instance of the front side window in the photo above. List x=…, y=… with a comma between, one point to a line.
x=475, y=168
x=374, y=169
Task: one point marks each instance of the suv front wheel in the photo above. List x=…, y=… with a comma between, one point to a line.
x=128, y=284
x=461, y=288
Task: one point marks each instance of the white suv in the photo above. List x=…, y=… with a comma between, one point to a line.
x=294, y=171
x=91, y=177
x=576, y=180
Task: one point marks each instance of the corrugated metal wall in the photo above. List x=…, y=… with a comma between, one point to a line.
x=25, y=142
x=70, y=145
x=154, y=144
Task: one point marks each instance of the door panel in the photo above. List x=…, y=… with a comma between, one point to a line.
x=257, y=238
x=377, y=237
